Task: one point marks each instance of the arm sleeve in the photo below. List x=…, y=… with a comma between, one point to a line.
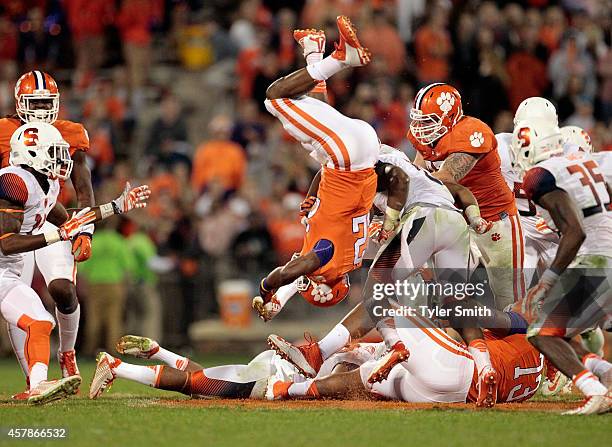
x=13, y=189
x=324, y=249
x=537, y=182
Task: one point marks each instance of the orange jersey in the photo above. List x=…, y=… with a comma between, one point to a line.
x=74, y=134
x=341, y=215
x=485, y=180
x=519, y=366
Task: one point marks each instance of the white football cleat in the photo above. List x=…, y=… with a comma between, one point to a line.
x=104, y=374
x=349, y=50
x=311, y=40
x=593, y=405
x=141, y=347
x=50, y=390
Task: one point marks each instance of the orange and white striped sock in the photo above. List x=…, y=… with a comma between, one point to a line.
x=480, y=353
x=304, y=389
x=171, y=359
x=589, y=384
x=147, y=375
x=596, y=364
x=37, y=348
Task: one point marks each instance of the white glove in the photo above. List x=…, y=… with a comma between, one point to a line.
x=131, y=198
x=76, y=224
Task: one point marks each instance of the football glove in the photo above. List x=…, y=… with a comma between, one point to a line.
x=131, y=198
x=75, y=224
x=81, y=246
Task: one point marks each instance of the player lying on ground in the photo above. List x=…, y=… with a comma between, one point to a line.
x=572, y=196
x=183, y=375
x=28, y=194
x=37, y=99
x=440, y=369
x=337, y=227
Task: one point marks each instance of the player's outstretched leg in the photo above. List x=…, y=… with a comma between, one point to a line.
x=344, y=385
x=147, y=348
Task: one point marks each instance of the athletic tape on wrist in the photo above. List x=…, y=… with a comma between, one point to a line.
x=51, y=237
x=107, y=210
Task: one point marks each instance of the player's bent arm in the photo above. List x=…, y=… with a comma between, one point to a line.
x=300, y=266
x=11, y=242
x=456, y=166
x=81, y=179
x=314, y=185
x=565, y=216
x=396, y=183
x=293, y=85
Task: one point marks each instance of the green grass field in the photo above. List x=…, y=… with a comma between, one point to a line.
x=134, y=415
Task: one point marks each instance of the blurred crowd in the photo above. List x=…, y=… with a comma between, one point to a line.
x=171, y=92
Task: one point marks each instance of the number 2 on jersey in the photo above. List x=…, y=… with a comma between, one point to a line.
x=360, y=227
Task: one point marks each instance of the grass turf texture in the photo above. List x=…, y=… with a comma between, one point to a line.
x=135, y=415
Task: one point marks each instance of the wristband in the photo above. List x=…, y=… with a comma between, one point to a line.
x=472, y=212
x=549, y=277
x=51, y=237
x=392, y=216
x=107, y=210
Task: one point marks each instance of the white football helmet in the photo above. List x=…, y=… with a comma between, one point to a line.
x=536, y=108
x=41, y=147
x=534, y=141
x=578, y=136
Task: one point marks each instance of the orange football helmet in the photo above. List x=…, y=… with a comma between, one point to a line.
x=37, y=97
x=437, y=108
x=325, y=294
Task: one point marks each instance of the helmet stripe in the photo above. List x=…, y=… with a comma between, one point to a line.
x=39, y=79
x=421, y=94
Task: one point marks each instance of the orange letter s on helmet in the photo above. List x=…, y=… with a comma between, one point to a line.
x=437, y=108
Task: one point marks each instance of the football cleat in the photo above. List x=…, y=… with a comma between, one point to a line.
x=488, y=381
x=68, y=364
x=50, y=390
x=593, y=405
x=277, y=389
x=396, y=355
x=349, y=50
x=104, y=375
x=141, y=347
x=25, y=393
x=554, y=381
x=311, y=40
x=307, y=359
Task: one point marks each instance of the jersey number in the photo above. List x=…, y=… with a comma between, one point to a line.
x=528, y=391
x=585, y=179
x=360, y=227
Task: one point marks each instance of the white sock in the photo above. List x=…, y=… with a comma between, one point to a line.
x=38, y=374
x=146, y=375
x=313, y=58
x=171, y=359
x=68, y=328
x=325, y=68
x=335, y=340
x=300, y=389
x=480, y=353
x=589, y=384
x=597, y=365
x=388, y=331
x=17, y=337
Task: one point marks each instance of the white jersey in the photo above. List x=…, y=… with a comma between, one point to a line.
x=423, y=188
x=580, y=177
x=21, y=187
x=333, y=139
x=604, y=160
x=504, y=141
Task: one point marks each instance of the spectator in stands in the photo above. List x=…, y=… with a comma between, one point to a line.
x=383, y=39
x=433, y=48
x=168, y=139
x=219, y=159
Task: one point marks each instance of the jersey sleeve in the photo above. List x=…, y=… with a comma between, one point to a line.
x=537, y=182
x=475, y=137
x=7, y=127
x=74, y=134
x=13, y=189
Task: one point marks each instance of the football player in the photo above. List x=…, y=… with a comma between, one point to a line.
x=572, y=196
x=340, y=197
x=433, y=231
x=462, y=149
x=29, y=187
x=37, y=100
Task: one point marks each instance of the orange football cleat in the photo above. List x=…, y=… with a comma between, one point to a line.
x=349, y=50
x=307, y=359
x=488, y=380
x=396, y=355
